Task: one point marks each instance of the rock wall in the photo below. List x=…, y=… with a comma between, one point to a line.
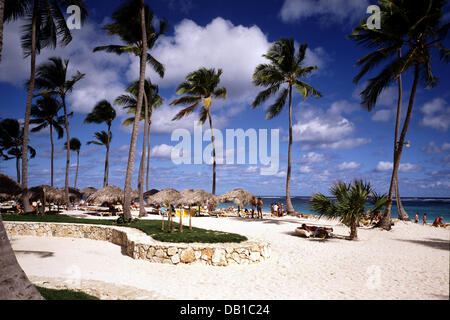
x=138, y=245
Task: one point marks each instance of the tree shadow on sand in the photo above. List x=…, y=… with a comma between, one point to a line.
x=41, y=254
x=431, y=242
x=334, y=237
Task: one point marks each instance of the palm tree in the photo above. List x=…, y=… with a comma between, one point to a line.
x=103, y=139
x=51, y=79
x=45, y=114
x=420, y=31
x=103, y=112
x=152, y=100
x=349, y=204
x=14, y=283
x=200, y=86
x=75, y=145
x=11, y=143
x=133, y=23
x=285, y=67
x=45, y=27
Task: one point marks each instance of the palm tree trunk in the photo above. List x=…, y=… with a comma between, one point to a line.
x=26, y=125
x=66, y=183
x=51, y=156
x=181, y=219
x=76, y=173
x=353, y=230
x=18, y=169
x=148, y=155
x=131, y=155
x=142, y=212
x=14, y=283
x=385, y=222
x=402, y=215
x=214, y=154
x=289, y=208
x=2, y=12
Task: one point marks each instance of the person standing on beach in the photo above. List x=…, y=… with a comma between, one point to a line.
x=280, y=214
x=259, y=208
x=424, y=219
x=275, y=209
x=416, y=219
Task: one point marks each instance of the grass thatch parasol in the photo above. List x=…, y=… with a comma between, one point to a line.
x=238, y=196
x=9, y=188
x=108, y=194
x=74, y=194
x=150, y=193
x=168, y=195
x=86, y=192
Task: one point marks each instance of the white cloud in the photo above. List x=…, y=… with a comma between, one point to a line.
x=102, y=80
x=305, y=169
x=432, y=148
x=404, y=167
x=162, y=151
x=312, y=157
x=329, y=11
x=330, y=130
x=436, y=114
x=383, y=115
x=192, y=46
x=344, y=166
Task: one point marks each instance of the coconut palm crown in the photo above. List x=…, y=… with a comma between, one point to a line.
x=201, y=86
x=282, y=73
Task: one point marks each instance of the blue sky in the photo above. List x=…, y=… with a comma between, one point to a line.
x=334, y=138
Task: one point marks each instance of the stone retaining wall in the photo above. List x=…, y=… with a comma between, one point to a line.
x=138, y=245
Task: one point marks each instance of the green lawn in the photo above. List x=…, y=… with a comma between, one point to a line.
x=63, y=294
x=150, y=227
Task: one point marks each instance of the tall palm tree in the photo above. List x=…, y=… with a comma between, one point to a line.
x=286, y=67
x=52, y=79
x=45, y=27
x=103, y=112
x=103, y=139
x=200, y=86
x=152, y=100
x=75, y=145
x=11, y=143
x=45, y=114
x=14, y=283
x=421, y=31
x=133, y=23
x=349, y=204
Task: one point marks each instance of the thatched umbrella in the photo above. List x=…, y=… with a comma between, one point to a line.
x=238, y=196
x=150, y=192
x=86, y=192
x=168, y=195
x=201, y=197
x=74, y=194
x=9, y=188
x=108, y=194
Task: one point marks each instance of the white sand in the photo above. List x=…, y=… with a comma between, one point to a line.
x=409, y=262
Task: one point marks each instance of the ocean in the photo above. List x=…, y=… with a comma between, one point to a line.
x=433, y=207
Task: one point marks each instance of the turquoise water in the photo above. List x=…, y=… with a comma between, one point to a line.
x=433, y=207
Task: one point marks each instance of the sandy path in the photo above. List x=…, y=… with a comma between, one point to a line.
x=410, y=262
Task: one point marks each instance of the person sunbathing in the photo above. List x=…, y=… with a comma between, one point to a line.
x=438, y=222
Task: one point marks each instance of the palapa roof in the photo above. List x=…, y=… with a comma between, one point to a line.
x=166, y=195
x=238, y=196
x=108, y=194
x=74, y=194
x=88, y=191
x=9, y=188
x=150, y=192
